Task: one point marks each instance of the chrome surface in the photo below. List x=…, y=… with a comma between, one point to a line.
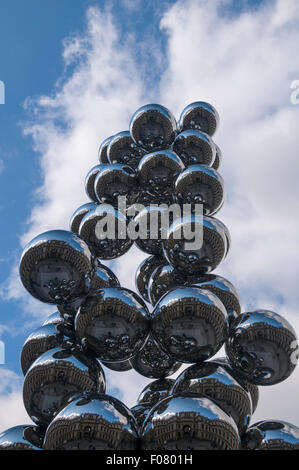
x=23, y=437
x=79, y=214
x=194, y=146
x=144, y=272
x=90, y=180
x=199, y=115
x=104, y=277
x=113, y=181
x=155, y=391
x=102, y=153
x=122, y=149
x=271, y=435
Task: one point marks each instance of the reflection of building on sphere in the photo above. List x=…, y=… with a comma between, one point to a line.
x=271, y=435
x=122, y=149
x=113, y=181
x=104, y=277
x=78, y=215
x=26, y=437
x=194, y=146
x=144, y=272
x=199, y=115
x=156, y=391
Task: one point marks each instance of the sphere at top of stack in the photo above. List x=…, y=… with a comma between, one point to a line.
x=199, y=115
x=194, y=146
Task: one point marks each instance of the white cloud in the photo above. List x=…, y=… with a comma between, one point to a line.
x=12, y=408
x=244, y=66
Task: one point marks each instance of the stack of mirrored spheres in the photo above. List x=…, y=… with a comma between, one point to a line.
x=157, y=163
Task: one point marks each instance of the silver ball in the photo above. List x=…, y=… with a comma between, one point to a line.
x=94, y=422
x=90, y=180
x=102, y=153
x=144, y=272
x=113, y=181
x=194, y=146
x=218, y=158
x=122, y=149
x=153, y=127
x=155, y=391
x=78, y=215
x=140, y=413
x=271, y=435
x=23, y=437
x=199, y=115
x=114, y=323
x=56, y=267
x=54, y=318
x=189, y=324
x=104, y=277
x=149, y=226
x=163, y=279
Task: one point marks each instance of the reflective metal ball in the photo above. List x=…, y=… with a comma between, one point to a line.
x=153, y=127
x=151, y=361
x=149, y=228
x=199, y=115
x=79, y=214
x=102, y=153
x=218, y=158
x=189, y=323
x=114, y=323
x=215, y=382
x=90, y=180
x=57, y=375
x=95, y=422
x=163, y=279
x=140, y=412
x=104, y=277
x=56, y=267
x=189, y=422
x=144, y=272
x=271, y=435
x=155, y=391
x=23, y=437
x=194, y=146
x=54, y=318
x=122, y=149
x=262, y=347
x=113, y=181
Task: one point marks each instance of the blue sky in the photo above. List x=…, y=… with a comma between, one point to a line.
x=75, y=72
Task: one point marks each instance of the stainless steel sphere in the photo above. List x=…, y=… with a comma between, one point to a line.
x=90, y=180
x=56, y=267
x=144, y=272
x=114, y=323
x=262, y=347
x=271, y=435
x=223, y=228
x=215, y=382
x=153, y=127
x=23, y=437
x=189, y=323
x=56, y=376
x=189, y=422
x=41, y=340
x=218, y=158
x=95, y=422
x=54, y=318
x=149, y=226
x=78, y=215
x=200, y=184
x=113, y=181
x=106, y=217
x=102, y=153
x=155, y=391
x=199, y=115
x=104, y=277
x=140, y=412
x=163, y=279
x=151, y=361
x=158, y=171
x=197, y=258
x=122, y=149
x=194, y=146
x=252, y=389
x=122, y=366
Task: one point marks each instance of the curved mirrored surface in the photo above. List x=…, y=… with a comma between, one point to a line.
x=23, y=437
x=155, y=391
x=144, y=272
x=271, y=435
x=123, y=149
x=79, y=214
x=201, y=116
x=194, y=146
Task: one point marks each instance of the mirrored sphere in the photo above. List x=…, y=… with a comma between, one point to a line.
x=95, y=422
x=199, y=254
x=23, y=437
x=189, y=323
x=157, y=172
x=90, y=180
x=113, y=181
x=102, y=153
x=79, y=214
x=104, y=277
x=200, y=184
x=123, y=149
x=154, y=363
x=140, y=412
x=218, y=158
x=163, y=279
x=262, y=347
x=215, y=382
x=155, y=391
x=149, y=227
x=189, y=422
x=153, y=127
x=114, y=323
x=54, y=318
x=194, y=146
x=68, y=311
x=122, y=366
x=252, y=389
x=199, y=115
x=56, y=267
x=105, y=231
x=271, y=435
x=143, y=273
x=222, y=228
x=57, y=375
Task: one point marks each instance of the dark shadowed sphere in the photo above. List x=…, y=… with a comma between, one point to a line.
x=113, y=181
x=163, y=279
x=140, y=412
x=95, y=422
x=215, y=382
x=189, y=323
x=200, y=184
x=23, y=437
x=191, y=256
x=90, y=180
x=123, y=149
x=114, y=323
x=79, y=214
x=201, y=116
x=104, y=277
x=122, y=366
x=149, y=226
x=151, y=361
x=57, y=375
x=153, y=127
x=262, y=347
x=271, y=435
x=95, y=228
x=144, y=272
x=155, y=391
x=194, y=146
x=189, y=422
x=102, y=153
x=56, y=267
x=218, y=158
